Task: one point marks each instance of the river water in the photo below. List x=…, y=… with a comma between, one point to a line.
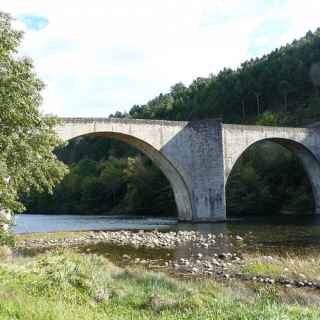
x=268, y=235
x=27, y=223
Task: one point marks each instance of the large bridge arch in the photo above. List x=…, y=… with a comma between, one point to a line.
x=179, y=187
x=180, y=191
x=303, y=143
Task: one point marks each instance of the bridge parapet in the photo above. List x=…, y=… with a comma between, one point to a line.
x=124, y=121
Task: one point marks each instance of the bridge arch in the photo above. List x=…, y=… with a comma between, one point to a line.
x=305, y=155
x=178, y=185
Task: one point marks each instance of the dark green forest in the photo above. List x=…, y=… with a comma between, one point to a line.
x=279, y=89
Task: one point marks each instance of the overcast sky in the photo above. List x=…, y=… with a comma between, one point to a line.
x=100, y=56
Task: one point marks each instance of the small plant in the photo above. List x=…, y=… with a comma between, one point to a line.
x=6, y=239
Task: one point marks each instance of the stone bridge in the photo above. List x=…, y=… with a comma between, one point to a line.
x=198, y=156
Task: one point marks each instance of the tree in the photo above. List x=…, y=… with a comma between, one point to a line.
x=241, y=92
x=315, y=76
x=27, y=138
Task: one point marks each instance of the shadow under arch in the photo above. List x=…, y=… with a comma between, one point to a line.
x=306, y=157
x=180, y=190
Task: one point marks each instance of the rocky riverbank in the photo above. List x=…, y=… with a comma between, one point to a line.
x=193, y=255
x=146, y=239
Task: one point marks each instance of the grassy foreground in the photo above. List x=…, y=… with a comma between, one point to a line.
x=65, y=285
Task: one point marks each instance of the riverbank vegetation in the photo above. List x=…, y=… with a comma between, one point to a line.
x=66, y=285
x=281, y=88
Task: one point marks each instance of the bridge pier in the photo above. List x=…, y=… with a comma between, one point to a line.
x=197, y=153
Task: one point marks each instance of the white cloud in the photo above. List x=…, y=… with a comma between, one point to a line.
x=101, y=56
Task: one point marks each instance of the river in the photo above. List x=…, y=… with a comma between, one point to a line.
x=282, y=234
x=27, y=223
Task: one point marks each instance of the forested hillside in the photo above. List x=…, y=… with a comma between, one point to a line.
x=281, y=88
x=286, y=81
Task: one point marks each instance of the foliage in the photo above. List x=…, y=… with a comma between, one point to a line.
x=267, y=119
x=27, y=139
x=6, y=239
x=158, y=199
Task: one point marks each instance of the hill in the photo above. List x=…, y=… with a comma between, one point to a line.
x=285, y=82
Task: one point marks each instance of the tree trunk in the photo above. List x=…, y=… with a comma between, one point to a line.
x=243, y=109
x=258, y=102
x=285, y=95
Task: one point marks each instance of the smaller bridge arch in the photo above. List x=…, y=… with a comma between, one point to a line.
x=303, y=143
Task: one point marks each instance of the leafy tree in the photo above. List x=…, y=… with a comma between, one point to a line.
x=27, y=138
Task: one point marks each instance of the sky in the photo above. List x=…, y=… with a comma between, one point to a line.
x=101, y=56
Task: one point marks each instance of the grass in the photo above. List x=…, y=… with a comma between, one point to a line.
x=66, y=285
x=262, y=268
x=295, y=267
